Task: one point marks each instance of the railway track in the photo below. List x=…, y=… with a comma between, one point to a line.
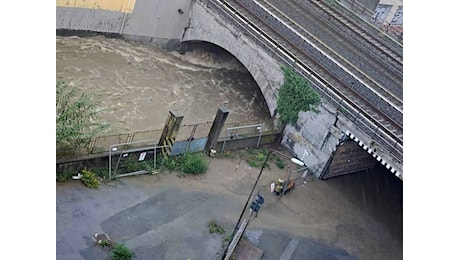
x=365, y=114
x=337, y=75
x=387, y=50
x=342, y=50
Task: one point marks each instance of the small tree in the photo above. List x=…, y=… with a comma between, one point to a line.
x=295, y=95
x=121, y=252
x=75, y=119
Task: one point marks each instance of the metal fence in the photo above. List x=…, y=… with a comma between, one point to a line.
x=103, y=144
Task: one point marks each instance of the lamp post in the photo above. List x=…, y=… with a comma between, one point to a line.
x=294, y=160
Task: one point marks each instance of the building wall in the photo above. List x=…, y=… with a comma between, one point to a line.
x=386, y=10
x=381, y=12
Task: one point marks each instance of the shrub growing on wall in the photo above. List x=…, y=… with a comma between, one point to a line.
x=295, y=95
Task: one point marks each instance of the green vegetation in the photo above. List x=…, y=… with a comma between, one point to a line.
x=64, y=176
x=256, y=158
x=76, y=123
x=227, y=237
x=105, y=243
x=101, y=172
x=215, y=228
x=261, y=157
x=296, y=95
x=89, y=178
x=253, y=164
x=279, y=163
x=121, y=252
x=193, y=163
x=189, y=163
x=170, y=164
x=132, y=164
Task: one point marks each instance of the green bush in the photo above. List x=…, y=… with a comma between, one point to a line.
x=215, y=228
x=227, y=237
x=280, y=163
x=261, y=157
x=159, y=163
x=130, y=164
x=89, y=178
x=63, y=176
x=76, y=119
x=170, y=164
x=295, y=95
x=253, y=164
x=121, y=252
x=193, y=163
x=102, y=172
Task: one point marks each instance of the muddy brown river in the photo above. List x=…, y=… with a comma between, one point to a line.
x=136, y=84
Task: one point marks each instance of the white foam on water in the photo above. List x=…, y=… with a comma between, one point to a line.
x=139, y=84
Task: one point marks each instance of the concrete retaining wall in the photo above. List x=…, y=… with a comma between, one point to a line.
x=157, y=22
x=314, y=137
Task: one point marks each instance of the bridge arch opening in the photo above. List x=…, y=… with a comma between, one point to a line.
x=220, y=58
x=378, y=193
x=368, y=185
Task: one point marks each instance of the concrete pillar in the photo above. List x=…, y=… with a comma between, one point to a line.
x=170, y=130
x=217, y=125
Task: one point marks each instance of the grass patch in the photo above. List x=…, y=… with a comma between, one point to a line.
x=102, y=172
x=253, y=164
x=189, y=163
x=280, y=163
x=227, y=237
x=215, y=228
x=256, y=158
x=64, y=176
x=170, y=163
x=260, y=157
x=193, y=163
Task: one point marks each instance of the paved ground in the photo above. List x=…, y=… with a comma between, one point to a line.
x=165, y=217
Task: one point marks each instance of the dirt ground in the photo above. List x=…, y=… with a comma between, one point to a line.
x=166, y=215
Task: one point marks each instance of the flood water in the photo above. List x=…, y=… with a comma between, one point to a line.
x=137, y=84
